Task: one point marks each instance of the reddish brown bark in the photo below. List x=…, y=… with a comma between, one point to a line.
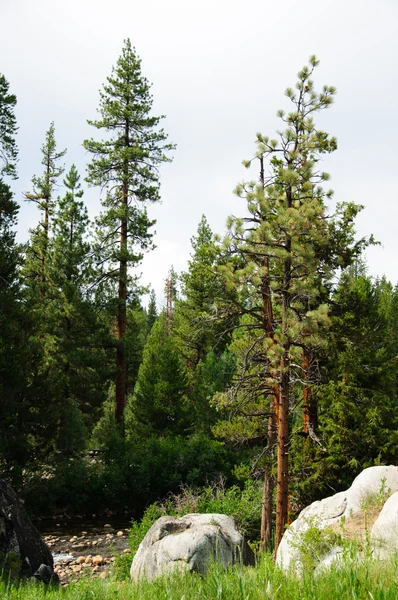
x=282, y=488
x=282, y=484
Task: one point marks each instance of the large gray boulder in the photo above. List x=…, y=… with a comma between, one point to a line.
x=189, y=543
x=20, y=542
x=364, y=513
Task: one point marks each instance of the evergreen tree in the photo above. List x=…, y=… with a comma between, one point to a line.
x=203, y=336
x=15, y=359
x=125, y=164
x=159, y=404
x=73, y=328
x=8, y=130
x=152, y=311
x=284, y=254
x=136, y=335
x=43, y=196
x=202, y=287
x=170, y=293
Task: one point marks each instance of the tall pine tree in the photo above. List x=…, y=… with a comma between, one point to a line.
x=284, y=253
x=125, y=165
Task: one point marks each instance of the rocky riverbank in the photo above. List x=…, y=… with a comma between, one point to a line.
x=87, y=554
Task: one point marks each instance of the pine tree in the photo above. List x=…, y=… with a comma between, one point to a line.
x=43, y=196
x=357, y=395
x=125, y=165
x=203, y=336
x=152, y=311
x=202, y=289
x=72, y=327
x=8, y=130
x=159, y=403
x=170, y=294
x=284, y=253
x=15, y=359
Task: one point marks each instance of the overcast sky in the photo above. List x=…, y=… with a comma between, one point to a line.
x=219, y=69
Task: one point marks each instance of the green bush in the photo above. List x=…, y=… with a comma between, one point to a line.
x=243, y=505
x=126, y=476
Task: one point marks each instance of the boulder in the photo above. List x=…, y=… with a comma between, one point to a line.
x=190, y=543
x=350, y=515
x=384, y=534
x=20, y=542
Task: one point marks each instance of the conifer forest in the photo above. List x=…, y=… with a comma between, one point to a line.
x=268, y=369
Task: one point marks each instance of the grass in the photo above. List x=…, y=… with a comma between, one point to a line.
x=370, y=581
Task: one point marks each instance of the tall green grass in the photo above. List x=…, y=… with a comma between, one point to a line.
x=367, y=581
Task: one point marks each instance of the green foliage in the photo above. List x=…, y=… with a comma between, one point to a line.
x=152, y=311
x=159, y=403
x=358, y=396
x=197, y=326
x=127, y=158
x=8, y=131
x=136, y=335
x=314, y=544
x=126, y=475
x=352, y=580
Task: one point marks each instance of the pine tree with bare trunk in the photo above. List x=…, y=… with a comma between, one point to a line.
x=282, y=256
x=125, y=164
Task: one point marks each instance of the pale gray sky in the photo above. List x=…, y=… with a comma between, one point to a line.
x=219, y=70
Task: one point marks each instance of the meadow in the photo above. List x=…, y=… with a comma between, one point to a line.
x=367, y=581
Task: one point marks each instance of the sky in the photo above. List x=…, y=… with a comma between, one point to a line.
x=219, y=69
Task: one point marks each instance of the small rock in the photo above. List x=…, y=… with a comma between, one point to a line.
x=98, y=560
x=103, y=575
x=76, y=568
x=107, y=526
x=80, y=560
x=126, y=551
x=120, y=533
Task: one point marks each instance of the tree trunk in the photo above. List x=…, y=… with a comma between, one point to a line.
x=269, y=480
x=282, y=488
x=121, y=367
x=269, y=483
x=310, y=407
x=282, y=484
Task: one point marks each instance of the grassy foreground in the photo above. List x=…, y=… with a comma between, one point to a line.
x=370, y=581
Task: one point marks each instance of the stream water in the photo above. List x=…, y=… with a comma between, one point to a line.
x=79, y=545
x=74, y=526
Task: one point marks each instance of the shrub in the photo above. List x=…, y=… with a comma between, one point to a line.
x=243, y=505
